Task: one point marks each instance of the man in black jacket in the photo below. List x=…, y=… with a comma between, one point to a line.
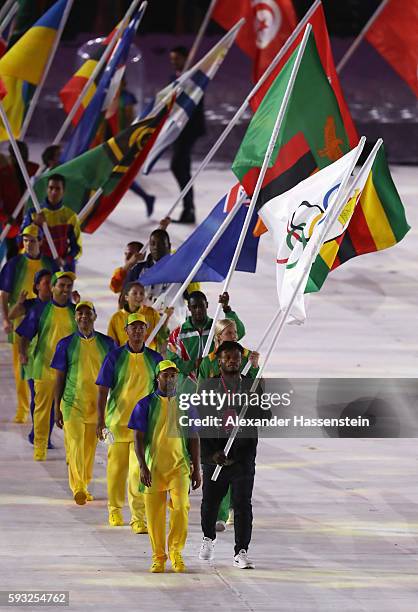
x=182, y=149
x=227, y=395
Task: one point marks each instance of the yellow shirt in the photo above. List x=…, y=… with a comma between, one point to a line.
x=117, y=324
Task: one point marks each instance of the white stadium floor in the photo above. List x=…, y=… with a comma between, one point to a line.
x=336, y=521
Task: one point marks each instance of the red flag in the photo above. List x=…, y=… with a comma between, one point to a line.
x=394, y=35
x=3, y=90
x=319, y=28
x=268, y=24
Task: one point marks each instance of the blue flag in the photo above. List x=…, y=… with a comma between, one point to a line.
x=86, y=129
x=175, y=268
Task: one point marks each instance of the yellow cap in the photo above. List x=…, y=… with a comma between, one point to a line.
x=32, y=230
x=136, y=317
x=59, y=275
x=165, y=364
x=88, y=304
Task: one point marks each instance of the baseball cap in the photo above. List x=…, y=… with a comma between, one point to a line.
x=165, y=364
x=86, y=303
x=60, y=274
x=40, y=274
x=33, y=230
x=135, y=316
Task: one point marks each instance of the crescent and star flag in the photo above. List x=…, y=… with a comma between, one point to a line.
x=22, y=67
x=175, y=268
x=191, y=94
x=268, y=23
x=111, y=166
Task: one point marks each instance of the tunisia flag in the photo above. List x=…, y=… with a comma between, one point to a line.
x=394, y=35
x=268, y=24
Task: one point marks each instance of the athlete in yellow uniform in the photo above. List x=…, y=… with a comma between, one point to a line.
x=50, y=321
x=126, y=375
x=17, y=275
x=77, y=362
x=164, y=456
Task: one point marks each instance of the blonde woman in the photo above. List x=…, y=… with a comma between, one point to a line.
x=226, y=329
x=132, y=300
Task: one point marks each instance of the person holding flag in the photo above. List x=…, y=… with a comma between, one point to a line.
x=77, y=361
x=169, y=461
x=49, y=321
x=17, y=275
x=62, y=222
x=127, y=374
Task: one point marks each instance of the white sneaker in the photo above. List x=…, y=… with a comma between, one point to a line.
x=242, y=561
x=207, y=550
x=220, y=526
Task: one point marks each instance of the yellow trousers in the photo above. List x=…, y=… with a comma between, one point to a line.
x=22, y=388
x=122, y=467
x=44, y=398
x=81, y=442
x=156, y=508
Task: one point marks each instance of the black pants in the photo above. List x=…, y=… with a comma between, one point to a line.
x=180, y=166
x=241, y=478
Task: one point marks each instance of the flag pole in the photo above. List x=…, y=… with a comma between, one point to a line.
x=238, y=114
x=11, y=15
x=39, y=88
x=215, y=238
x=267, y=157
x=96, y=70
x=199, y=36
x=347, y=55
x=5, y=8
x=340, y=202
x=75, y=107
x=27, y=180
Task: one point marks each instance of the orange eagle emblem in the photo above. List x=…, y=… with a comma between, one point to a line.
x=332, y=148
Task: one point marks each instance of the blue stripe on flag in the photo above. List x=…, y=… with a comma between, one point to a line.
x=200, y=79
x=186, y=103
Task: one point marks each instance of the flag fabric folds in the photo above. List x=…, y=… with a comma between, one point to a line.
x=191, y=93
x=323, y=45
x=268, y=23
x=176, y=267
x=311, y=137
x=112, y=166
x=85, y=131
x=294, y=219
x=73, y=88
x=394, y=36
x=378, y=222
x=22, y=67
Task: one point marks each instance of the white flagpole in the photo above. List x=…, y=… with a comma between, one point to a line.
x=38, y=90
x=360, y=37
x=338, y=206
x=9, y=17
x=199, y=36
x=238, y=114
x=25, y=174
x=215, y=238
x=269, y=152
x=111, y=45
x=5, y=8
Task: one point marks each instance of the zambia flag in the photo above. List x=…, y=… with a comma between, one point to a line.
x=112, y=167
x=22, y=67
x=378, y=222
x=311, y=137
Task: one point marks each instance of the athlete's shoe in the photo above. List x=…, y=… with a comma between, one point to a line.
x=139, y=527
x=80, y=497
x=89, y=496
x=157, y=567
x=207, y=550
x=242, y=561
x=220, y=526
x=115, y=518
x=177, y=562
x=39, y=455
x=230, y=520
x=20, y=419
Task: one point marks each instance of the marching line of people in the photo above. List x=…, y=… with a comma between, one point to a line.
x=114, y=388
